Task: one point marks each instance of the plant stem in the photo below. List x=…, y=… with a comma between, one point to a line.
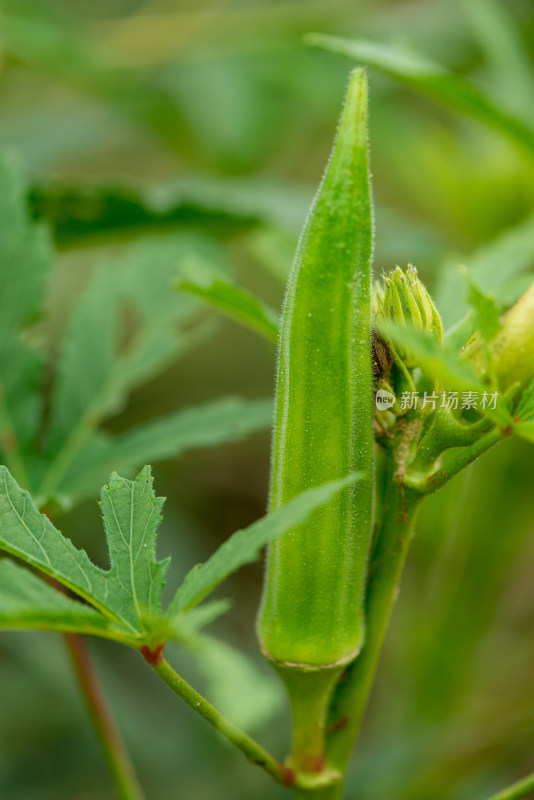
x=310, y=692
x=456, y=464
x=252, y=751
x=104, y=724
x=522, y=788
x=350, y=698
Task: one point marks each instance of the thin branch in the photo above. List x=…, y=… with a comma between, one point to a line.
x=443, y=475
x=350, y=698
x=103, y=722
x=252, y=751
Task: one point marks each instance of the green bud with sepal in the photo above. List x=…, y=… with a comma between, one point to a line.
x=311, y=623
x=404, y=300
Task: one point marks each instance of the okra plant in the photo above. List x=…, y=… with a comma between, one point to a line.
x=376, y=406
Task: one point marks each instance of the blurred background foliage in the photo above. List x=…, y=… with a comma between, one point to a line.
x=144, y=119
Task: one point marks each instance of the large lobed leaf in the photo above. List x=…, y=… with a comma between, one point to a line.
x=128, y=594
x=130, y=591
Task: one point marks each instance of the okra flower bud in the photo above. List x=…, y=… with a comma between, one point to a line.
x=405, y=300
x=311, y=621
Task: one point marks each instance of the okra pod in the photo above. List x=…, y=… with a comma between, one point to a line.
x=311, y=621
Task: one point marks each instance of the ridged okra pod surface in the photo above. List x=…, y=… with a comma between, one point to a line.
x=311, y=612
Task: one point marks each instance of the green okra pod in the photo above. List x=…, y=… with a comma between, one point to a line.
x=311, y=615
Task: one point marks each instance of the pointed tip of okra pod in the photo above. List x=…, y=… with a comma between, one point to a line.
x=355, y=108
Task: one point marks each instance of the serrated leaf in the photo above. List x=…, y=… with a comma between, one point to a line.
x=225, y=420
x=28, y=602
x=129, y=592
x=430, y=78
x=233, y=301
x=132, y=514
x=244, y=546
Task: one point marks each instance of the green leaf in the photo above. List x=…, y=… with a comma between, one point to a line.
x=186, y=625
x=24, y=253
x=24, y=263
x=31, y=536
x=219, y=291
x=486, y=312
x=130, y=591
x=443, y=365
x=78, y=212
x=131, y=517
x=226, y=420
x=244, y=546
x=498, y=33
x=434, y=361
x=28, y=602
x=97, y=367
x=501, y=267
x=96, y=370
x=430, y=78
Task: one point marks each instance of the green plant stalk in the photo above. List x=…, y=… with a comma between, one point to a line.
x=112, y=744
x=105, y=727
x=350, y=698
x=252, y=751
x=438, y=479
x=310, y=624
x=394, y=533
x=522, y=788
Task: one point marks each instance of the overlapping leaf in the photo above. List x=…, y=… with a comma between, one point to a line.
x=233, y=301
x=28, y=602
x=245, y=545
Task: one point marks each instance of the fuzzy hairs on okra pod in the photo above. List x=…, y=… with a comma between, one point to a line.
x=310, y=622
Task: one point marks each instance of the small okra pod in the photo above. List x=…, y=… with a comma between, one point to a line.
x=311, y=622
